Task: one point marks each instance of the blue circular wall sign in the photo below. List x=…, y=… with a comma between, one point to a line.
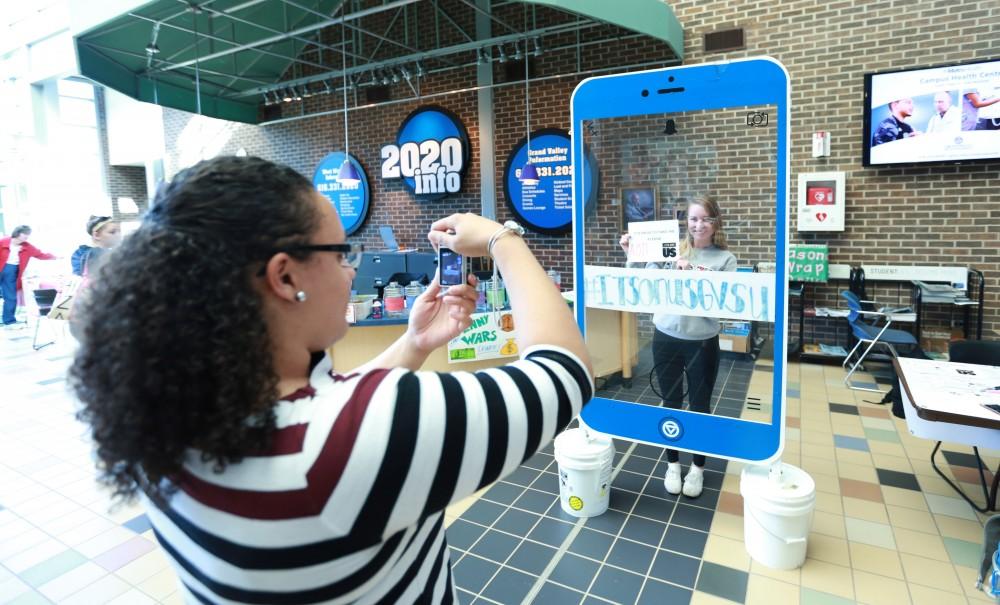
x=548, y=206
x=430, y=155
x=351, y=203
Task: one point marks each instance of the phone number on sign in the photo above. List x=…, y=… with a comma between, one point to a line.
x=549, y=171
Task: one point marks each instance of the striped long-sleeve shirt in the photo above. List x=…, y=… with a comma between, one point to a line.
x=347, y=506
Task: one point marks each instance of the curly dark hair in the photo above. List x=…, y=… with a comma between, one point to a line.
x=175, y=351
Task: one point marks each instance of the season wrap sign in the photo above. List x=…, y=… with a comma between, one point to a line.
x=350, y=201
x=430, y=154
x=548, y=206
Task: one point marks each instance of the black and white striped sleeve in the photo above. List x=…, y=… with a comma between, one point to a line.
x=447, y=435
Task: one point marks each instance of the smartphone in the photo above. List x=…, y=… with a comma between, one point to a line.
x=695, y=142
x=452, y=266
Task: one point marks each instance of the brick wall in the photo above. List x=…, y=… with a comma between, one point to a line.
x=930, y=215
x=121, y=181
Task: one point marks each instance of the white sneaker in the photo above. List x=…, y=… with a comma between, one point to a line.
x=693, y=484
x=672, y=481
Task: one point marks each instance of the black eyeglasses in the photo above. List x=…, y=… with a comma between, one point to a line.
x=351, y=253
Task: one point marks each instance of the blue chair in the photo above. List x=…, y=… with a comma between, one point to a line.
x=871, y=334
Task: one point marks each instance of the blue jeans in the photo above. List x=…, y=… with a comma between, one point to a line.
x=8, y=289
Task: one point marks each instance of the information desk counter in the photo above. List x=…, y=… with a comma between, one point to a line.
x=612, y=341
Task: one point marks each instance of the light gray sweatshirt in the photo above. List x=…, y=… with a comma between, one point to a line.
x=690, y=327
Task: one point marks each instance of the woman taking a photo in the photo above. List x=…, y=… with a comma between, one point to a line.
x=267, y=478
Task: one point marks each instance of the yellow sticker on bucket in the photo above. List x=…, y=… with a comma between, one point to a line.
x=575, y=503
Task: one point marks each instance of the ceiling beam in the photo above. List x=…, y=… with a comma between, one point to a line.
x=302, y=30
x=432, y=54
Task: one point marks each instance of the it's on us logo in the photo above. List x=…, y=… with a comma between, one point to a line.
x=430, y=154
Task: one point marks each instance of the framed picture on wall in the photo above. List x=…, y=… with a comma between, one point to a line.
x=638, y=204
x=821, y=201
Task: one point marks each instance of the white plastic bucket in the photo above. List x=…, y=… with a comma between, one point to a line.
x=584, y=460
x=777, y=514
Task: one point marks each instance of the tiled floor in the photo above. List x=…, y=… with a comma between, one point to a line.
x=887, y=529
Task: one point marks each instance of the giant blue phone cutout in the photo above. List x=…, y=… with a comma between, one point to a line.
x=721, y=128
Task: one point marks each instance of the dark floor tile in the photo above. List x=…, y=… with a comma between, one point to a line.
x=622, y=500
x=714, y=479
x=522, y=476
x=517, y=522
x=609, y=522
x=535, y=501
x=556, y=511
x=547, y=482
x=724, y=582
x=716, y=464
x=495, y=546
x=647, y=451
x=465, y=597
x=531, y=557
x=675, y=568
x=687, y=541
x=640, y=465
x=592, y=544
x=631, y=556
x=539, y=461
x=897, y=479
x=616, y=585
x=138, y=524
x=551, y=532
x=644, y=530
x=657, y=508
x=551, y=594
x=483, y=512
x=509, y=586
x=575, y=572
x=841, y=408
x=658, y=593
x=632, y=482
x=472, y=573
x=960, y=459
x=709, y=498
x=692, y=517
x=462, y=534
x=503, y=493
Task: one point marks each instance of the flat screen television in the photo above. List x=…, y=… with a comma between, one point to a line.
x=949, y=113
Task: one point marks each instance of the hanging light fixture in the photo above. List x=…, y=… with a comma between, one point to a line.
x=503, y=53
x=529, y=174
x=348, y=175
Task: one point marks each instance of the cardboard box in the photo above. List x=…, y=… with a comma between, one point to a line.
x=734, y=344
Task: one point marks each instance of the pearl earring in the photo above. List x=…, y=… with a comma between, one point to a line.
x=300, y=296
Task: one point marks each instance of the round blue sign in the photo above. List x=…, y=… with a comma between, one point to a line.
x=350, y=202
x=548, y=206
x=431, y=153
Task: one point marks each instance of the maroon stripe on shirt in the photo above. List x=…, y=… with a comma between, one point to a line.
x=321, y=479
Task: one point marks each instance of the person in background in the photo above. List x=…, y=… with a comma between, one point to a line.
x=105, y=233
x=688, y=345
x=972, y=116
x=15, y=252
x=895, y=127
x=947, y=118
x=266, y=477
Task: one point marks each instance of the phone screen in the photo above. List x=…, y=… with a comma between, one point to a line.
x=452, y=267
x=693, y=163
